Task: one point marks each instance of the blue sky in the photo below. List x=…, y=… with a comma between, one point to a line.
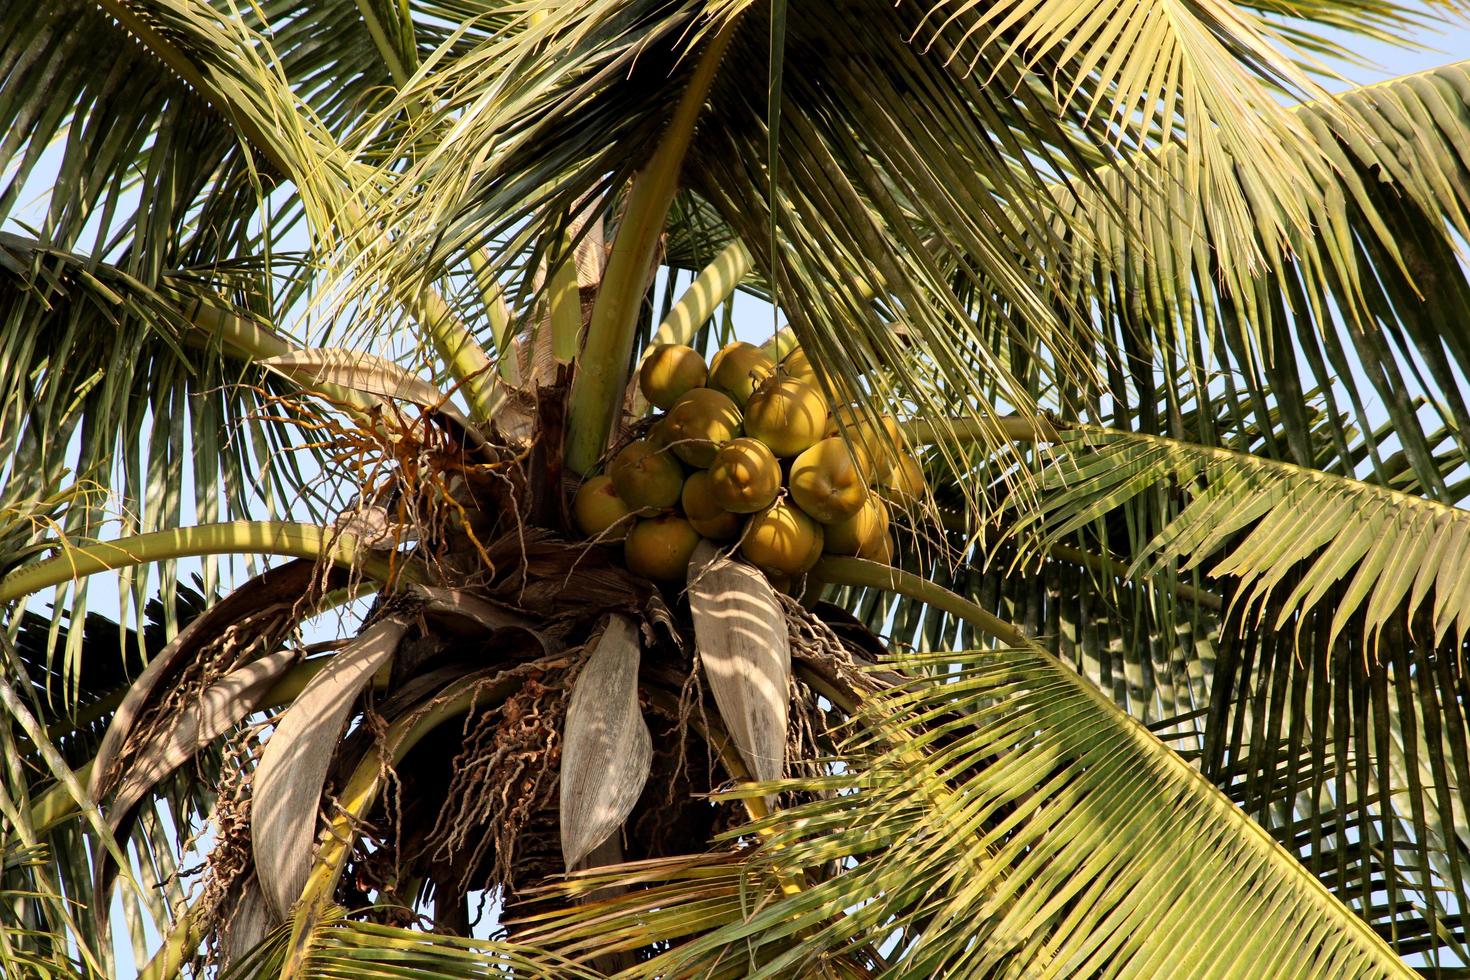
x=1450, y=44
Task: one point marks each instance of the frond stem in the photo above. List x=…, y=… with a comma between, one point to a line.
x=710, y=288
x=870, y=574
x=226, y=538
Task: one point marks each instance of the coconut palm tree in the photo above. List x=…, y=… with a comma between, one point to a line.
x=1153, y=352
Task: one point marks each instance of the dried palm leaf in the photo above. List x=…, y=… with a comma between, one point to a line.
x=367, y=373
x=740, y=631
x=219, y=708
x=281, y=586
x=293, y=767
x=606, y=748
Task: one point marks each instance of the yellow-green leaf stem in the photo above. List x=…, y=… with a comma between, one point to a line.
x=493, y=298
x=245, y=339
x=459, y=350
x=178, y=947
x=710, y=288
x=870, y=574
x=230, y=537
x=56, y=803
x=565, y=302
x=783, y=343
x=392, y=60
x=597, y=391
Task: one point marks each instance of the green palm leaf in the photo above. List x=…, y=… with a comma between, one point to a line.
x=1256, y=519
x=1372, y=299
x=341, y=946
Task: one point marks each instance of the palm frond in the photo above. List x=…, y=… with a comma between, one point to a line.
x=1353, y=757
x=859, y=176
x=163, y=163
x=1367, y=301
x=110, y=390
x=1257, y=519
x=29, y=947
x=993, y=813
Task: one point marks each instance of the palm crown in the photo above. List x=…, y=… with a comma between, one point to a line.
x=1150, y=351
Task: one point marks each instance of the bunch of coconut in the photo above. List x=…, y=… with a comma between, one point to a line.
x=747, y=454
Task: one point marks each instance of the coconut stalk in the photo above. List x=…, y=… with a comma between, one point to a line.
x=714, y=284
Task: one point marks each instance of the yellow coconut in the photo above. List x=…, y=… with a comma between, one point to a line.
x=646, y=476
x=827, y=482
x=659, y=548
x=782, y=540
x=700, y=422
x=880, y=549
x=877, y=439
x=797, y=365
x=787, y=414
x=668, y=371
x=862, y=530
x=738, y=368
x=905, y=477
x=704, y=511
x=745, y=476
x=597, y=507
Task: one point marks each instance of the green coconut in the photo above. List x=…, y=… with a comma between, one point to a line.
x=738, y=368
x=597, y=507
x=787, y=414
x=659, y=548
x=827, y=482
x=704, y=511
x=782, y=540
x=668, y=371
x=851, y=535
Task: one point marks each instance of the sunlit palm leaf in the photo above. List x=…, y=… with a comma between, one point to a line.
x=26, y=947
x=1000, y=840
x=1335, y=748
x=468, y=188
x=343, y=947
x=106, y=382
